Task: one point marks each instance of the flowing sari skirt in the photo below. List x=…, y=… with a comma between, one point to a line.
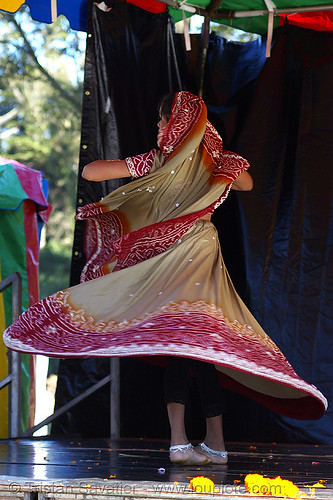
x=178, y=303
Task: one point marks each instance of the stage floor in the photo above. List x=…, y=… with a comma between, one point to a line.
x=40, y=469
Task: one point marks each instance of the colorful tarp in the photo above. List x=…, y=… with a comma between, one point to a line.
x=76, y=11
x=23, y=208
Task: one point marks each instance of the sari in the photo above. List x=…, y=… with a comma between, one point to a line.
x=154, y=283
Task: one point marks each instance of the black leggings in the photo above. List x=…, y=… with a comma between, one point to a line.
x=176, y=384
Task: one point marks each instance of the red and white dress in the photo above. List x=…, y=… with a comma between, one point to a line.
x=155, y=284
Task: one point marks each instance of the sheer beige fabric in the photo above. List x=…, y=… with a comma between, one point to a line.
x=155, y=283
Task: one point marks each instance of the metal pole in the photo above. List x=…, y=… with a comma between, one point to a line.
x=230, y=14
x=205, y=43
x=114, y=398
x=291, y=10
x=15, y=363
x=68, y=405
x=15, y=395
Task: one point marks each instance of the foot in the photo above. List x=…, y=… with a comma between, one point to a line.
x=215, y=456
x=184, y=454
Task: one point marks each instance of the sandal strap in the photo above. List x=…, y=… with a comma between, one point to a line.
x=204, y=447
x=181, y=447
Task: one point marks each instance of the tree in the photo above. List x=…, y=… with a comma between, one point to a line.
x=233, y=34
x=41, y=72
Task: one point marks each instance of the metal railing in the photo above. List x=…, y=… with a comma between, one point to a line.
x=113, y=378
x=13, y=379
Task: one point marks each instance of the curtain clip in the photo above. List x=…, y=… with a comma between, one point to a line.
x=103, y=6
x=54, y=11
x=186, y=33
x=271, y=8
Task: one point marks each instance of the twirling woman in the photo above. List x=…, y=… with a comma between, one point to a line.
x=155, y=284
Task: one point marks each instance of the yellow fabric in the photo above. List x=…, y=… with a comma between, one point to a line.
x=3, y=374
x=11, y=5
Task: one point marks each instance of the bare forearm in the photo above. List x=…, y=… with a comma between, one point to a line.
x=103, y=170
x=243, y=182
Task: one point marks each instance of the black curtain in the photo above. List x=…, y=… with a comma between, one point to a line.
x=288, y=219
x=129, y=66
x=255, y=105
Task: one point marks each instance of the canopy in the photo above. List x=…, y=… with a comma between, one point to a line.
x=248, y=15
x=23, y=193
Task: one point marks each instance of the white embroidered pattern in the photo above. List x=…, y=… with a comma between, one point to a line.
x=198, y=329
x=228, y=164
x=103, y=231
x=141, y=164
x=212, y=142
x=185, y=114
x=152, y=240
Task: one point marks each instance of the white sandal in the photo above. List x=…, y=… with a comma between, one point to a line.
x=185, y=454
x=215, y=456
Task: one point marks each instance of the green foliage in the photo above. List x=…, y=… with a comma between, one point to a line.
x=221, y=28
x=41, y=73
x=233, y=34
x=54, y=268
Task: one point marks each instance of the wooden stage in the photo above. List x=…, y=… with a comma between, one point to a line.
x=41, y=469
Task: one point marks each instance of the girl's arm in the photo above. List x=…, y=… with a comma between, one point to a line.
x=243, y=182
x=103, y=170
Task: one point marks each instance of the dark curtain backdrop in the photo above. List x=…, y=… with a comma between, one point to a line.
x=288, y=219
x=279, y=269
